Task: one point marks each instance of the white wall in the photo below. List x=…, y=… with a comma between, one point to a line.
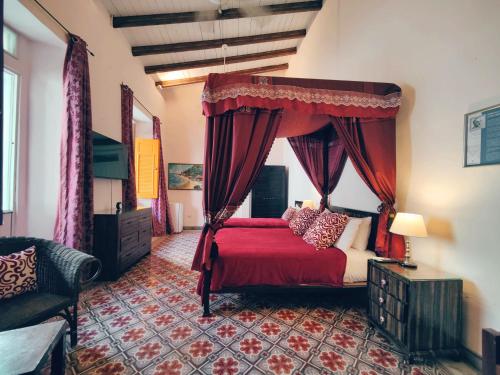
x=112, y=64
x=445, y=56
x=45, y=113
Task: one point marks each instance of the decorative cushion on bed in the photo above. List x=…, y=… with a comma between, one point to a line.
x=303, y=220
x=326, y=230
x=361, y=240
x=289, y=213
x=346, y=239
x=17, y=273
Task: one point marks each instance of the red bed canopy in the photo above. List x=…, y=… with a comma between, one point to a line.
x=325, y=122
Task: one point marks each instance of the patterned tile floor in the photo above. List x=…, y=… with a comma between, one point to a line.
x=149, y=322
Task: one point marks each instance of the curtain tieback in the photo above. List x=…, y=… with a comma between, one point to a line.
x=386, y=207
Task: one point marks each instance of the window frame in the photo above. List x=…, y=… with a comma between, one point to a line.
x=9, y=29
x=15, y=139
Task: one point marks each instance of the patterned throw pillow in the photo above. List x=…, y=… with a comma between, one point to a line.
x=303, y=220
x=326, y=230
x=289, y=214
x=17, y=273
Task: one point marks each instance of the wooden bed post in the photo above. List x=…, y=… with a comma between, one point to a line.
x=206, y=292
x=491, y=352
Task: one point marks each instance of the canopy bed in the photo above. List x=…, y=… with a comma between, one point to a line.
x=326, y=122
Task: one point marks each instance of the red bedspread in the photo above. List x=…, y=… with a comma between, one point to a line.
x=264, y=256
x=254, y=222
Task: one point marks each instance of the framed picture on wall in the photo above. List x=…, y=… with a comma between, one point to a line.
x=183, y=176
x=482, y=137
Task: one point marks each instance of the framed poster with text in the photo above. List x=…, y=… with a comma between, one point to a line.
x=482, y=137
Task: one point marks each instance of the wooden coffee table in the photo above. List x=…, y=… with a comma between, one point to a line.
x=26, y=350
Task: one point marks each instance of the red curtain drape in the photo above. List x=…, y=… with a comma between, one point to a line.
x=371, y=146
x=74, y=218
x=162, y=221
x=237, y=144
x=323, y=157
x=129, y=195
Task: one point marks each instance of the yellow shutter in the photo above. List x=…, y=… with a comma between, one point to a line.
x=147, y=152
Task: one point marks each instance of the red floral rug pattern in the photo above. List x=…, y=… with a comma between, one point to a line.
x=149, y=322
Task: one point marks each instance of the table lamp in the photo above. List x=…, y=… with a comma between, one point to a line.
x=308, y=203
x=408, y=225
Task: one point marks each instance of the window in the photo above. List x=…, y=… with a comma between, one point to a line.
x=10, y=105
x=9, y=41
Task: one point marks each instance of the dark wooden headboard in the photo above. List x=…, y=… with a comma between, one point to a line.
x=357, y=213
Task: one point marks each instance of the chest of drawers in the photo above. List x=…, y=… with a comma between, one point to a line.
x=121, y=239
x=420, y=309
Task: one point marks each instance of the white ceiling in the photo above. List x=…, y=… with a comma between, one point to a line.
x=208, y=30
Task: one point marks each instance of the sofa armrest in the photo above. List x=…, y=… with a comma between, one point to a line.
x=61, y=269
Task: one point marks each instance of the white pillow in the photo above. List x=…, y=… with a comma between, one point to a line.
x=361, y=240
x=349, y=234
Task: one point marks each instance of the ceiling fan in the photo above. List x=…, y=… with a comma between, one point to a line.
x=246, y=11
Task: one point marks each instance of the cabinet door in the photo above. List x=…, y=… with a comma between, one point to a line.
x=270, y=192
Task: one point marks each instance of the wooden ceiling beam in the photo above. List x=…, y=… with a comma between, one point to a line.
x=186, y=81
x=215, y=15
x=219, y=61
x=217, y=43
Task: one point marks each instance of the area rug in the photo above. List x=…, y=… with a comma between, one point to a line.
x=149, y=322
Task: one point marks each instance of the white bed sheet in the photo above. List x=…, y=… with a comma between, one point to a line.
x=357, y=265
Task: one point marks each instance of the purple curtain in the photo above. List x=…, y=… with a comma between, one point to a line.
x=323, y=157
x=129, y=195
x=74, y=219
x=236, y=147
x=162, y=221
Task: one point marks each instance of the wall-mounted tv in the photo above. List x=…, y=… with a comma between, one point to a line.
x=110, y=158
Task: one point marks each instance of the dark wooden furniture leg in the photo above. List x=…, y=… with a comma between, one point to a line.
x=72, y=319
x=58, y=363
x=491, y=352
x=206, y=292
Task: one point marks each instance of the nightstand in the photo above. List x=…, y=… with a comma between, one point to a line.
x=419, y=309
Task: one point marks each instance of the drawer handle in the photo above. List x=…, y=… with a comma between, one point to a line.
x=383, y=282
x=382, y=320
x=381, y=301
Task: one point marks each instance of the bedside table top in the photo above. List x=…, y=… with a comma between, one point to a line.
x=423, y=272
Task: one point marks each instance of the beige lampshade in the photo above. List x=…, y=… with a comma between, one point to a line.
x=308, y=203
x=411, y=225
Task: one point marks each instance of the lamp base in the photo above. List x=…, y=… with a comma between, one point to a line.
x=408, y=264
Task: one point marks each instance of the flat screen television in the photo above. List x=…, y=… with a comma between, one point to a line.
x=110, y=158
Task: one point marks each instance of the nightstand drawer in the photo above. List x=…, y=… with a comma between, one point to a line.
x=387, y=302
x=392, y=285
x=388, y=322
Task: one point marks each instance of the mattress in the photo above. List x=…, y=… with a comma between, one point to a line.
x=240, y=222
x=357, y=265
x=275, y=257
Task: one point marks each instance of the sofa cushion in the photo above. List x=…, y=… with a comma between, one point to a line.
x=30, y=308
x=18, y=273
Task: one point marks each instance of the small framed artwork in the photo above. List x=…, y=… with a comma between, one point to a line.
x=185, y=176
x=482, y=137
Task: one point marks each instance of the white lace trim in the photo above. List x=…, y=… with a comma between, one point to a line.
x=306, y=95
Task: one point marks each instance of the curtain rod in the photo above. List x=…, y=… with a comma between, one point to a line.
x=58, y=22
x=138, y=101
x=143, y=106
